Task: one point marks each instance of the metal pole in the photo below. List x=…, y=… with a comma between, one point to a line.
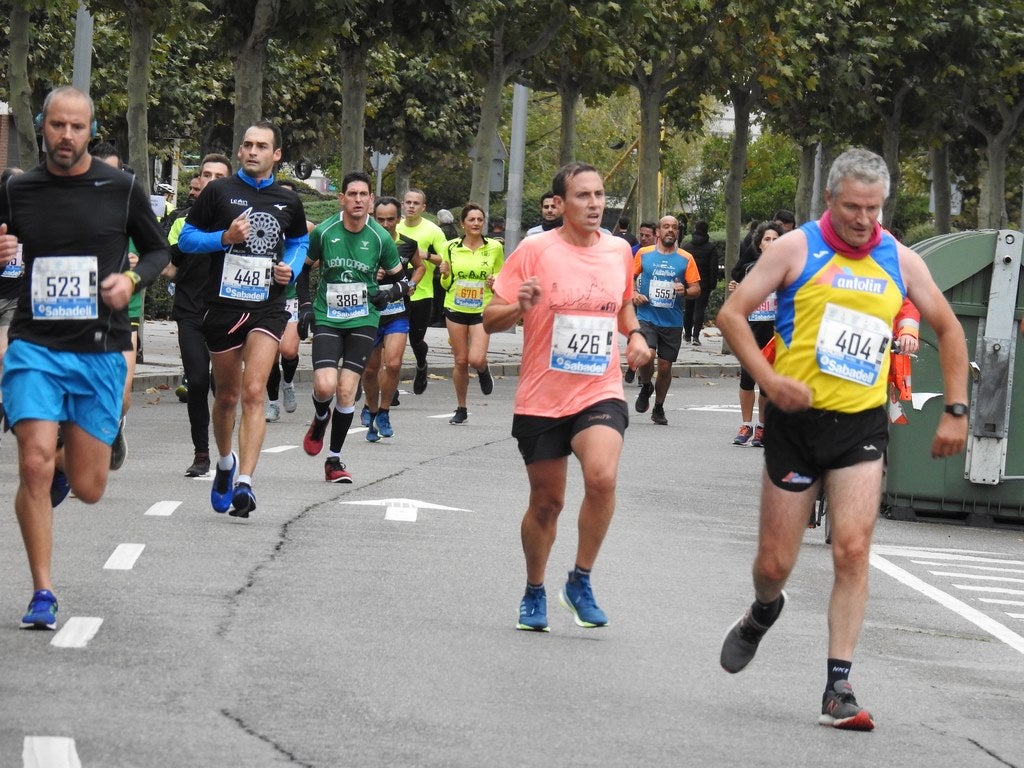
x=516, y=166
x=82, y=73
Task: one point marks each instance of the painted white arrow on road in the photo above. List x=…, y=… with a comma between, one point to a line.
x=403, y=510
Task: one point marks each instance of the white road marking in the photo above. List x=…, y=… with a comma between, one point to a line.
x=713, y=408
x=403, y=510
x=976, y=576
x=76, y=632
x=973, y=567
x=279, y=449
x=973, y=615
x=997, y=601
x=448, y=415
x=163, y=508
x=49, y=752
x=124, y=556
x=996, y=590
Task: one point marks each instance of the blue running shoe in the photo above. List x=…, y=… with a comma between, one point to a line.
x=364, y=416
x=533, y=610
x=42, y=611
x=577, y=596
x=383, y=424
x=59, y=487
x=243, y=500
x=372, y=435
x=223, y=479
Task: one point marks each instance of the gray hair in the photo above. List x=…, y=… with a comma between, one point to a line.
x=68, y=90
x=860, y=165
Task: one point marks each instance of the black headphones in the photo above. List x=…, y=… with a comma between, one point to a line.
x=94, y=127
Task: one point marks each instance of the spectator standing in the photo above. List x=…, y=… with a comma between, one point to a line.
x=705, y=256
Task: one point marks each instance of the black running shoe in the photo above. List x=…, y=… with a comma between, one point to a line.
x=460, y=416
x=643, y=400
x=629, y=375
x=200, y=465
x=742, y=639
x=486, y=381
x=119, y=449
x=419, y=382
x=658, y=415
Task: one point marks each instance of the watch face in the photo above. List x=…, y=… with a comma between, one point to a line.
x=957, y=409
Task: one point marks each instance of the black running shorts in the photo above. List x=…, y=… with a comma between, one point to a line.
x=800, y=447
x=352, y=345
x=542, y=438
x=225, y=329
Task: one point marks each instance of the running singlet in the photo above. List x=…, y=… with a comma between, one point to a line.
x=570, y=337
x=431, y=239
x=657, y=274
x=834, y=323
x=465, y=287
x=74, y=231
x=348, y=266
x=241, y=275
x=398, y=308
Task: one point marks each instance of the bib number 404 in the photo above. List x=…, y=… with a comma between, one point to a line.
x=858, y=345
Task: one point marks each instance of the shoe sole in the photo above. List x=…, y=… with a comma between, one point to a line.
x=528, y=628
x=341, y=480
x=39, y=625
x=860, y=722
x=564, y=600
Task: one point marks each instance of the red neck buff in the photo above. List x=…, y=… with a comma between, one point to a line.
x=836, y=243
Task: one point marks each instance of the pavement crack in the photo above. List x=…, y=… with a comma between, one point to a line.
x=992, y=754
x=273, y=744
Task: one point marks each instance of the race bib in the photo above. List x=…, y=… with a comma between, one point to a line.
x=765, y=311
x=662, y=294
x=469, y=295
x=852, y=345
x=65, y=288
x=245, y=278
x=346, y=301
x=582, y=344
x=395, y=307
x=14, y=268
x=291, y=306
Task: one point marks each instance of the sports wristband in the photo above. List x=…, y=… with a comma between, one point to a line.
x=133, y=276
x=635, y=330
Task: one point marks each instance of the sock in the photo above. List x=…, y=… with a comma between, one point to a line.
x=273, y=382
x=577, y=571
x=247, y=479
x=765, y=614
x=340, y=423
x=225, y=462
x=288, y=367
x=322, y=408
x=333, y=455
x=275, y=402
x=534, y=587
x=838, y=669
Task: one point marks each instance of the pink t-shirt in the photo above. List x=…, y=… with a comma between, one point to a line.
x=570, y=338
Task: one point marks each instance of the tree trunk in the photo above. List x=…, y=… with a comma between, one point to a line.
x=824, y=163
x=490, y=104
x=805, y=184
x=21, y=92
x=569, y=93
x=941, y=188
x=353, y=109
x=891, y=155
x=140, y=30
x=996, y=152
x=648, y=191
x=403, y=179
x=250, y=59
x=742, y=99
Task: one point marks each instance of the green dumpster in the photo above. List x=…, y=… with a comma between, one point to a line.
x=980, y=274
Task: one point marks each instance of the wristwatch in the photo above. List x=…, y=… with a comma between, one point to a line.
x=956, y=409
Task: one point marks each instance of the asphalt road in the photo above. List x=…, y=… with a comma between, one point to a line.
x=373, y=624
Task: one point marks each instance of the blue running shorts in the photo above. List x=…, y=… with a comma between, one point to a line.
x=84, y=388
